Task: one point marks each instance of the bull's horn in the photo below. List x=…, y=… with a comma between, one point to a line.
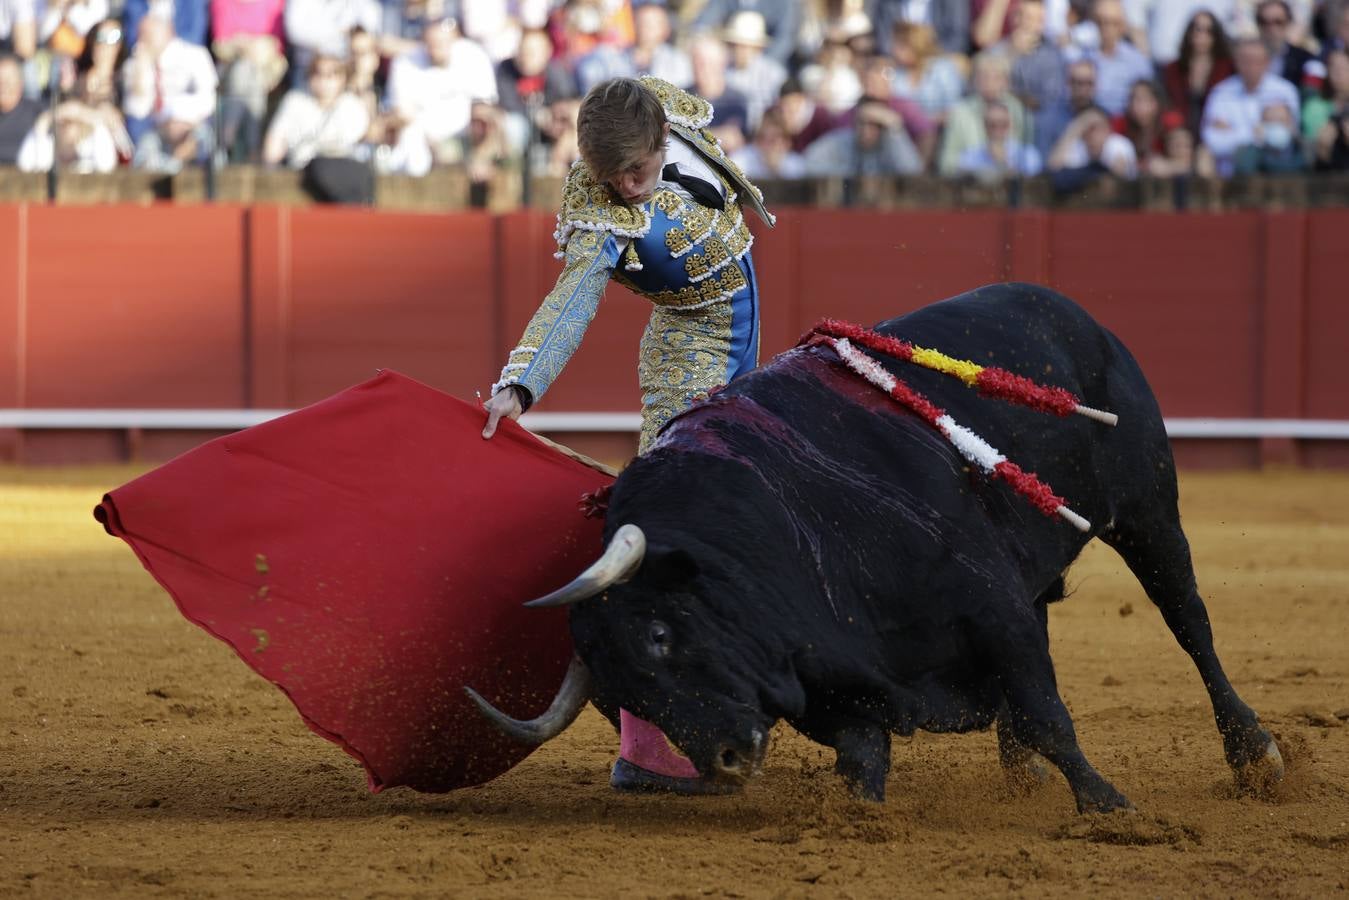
x=621, y=558
x=567, y=705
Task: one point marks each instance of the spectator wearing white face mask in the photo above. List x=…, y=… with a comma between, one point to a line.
x=1276, y=148
x=1234, y=115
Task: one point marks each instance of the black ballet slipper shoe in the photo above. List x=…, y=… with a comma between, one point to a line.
x=631, y=778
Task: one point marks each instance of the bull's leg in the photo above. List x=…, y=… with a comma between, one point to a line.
x=1159, y=557
x=863, y=759
x=1035, y=716
x=1025, y=769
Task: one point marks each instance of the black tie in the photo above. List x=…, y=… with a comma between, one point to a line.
x=698, y=189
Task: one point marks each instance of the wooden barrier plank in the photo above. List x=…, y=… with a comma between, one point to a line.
x=1182, y=292
x=869, y=266
x=267, y=301
x=13, y=299
x=134, y=302
x=1327, y=330
x=404, y=291
x=1283, y=309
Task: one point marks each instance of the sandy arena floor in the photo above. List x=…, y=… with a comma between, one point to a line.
x=140, y=757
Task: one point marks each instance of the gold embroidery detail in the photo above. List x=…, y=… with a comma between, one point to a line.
x=677, y=239
x=669, y=202
x=717, y=288
x=684, y=355
x=681, y=107
x=588, y=205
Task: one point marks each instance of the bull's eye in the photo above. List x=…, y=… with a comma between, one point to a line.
x=658, y=639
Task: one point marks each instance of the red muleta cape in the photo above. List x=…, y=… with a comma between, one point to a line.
x=369, y=555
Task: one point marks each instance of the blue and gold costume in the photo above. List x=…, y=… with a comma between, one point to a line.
x=693, y=262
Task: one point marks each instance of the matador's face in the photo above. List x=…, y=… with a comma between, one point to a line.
x=636, y=183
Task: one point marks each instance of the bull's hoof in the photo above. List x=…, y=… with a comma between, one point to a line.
x=1027, y=774
x=633, y=779
x=1258, y=777
x=870, y=793
x=1106, y=801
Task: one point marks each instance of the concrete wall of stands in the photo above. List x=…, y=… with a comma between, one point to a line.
x=1242, y=314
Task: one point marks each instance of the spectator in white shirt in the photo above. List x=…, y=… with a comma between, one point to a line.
x=168, y=95
x=1233, y=113
x=1118, y=63
x=325, y=120
x=80, y=142
x=1089, y=145
x=432, y=90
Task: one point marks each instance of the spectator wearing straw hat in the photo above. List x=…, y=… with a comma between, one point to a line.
x=730, y=108
x=782, y=21
x=752, y=72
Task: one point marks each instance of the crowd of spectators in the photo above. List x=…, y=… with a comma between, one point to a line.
x=987, y=89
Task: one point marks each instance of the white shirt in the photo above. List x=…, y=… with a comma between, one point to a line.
x=1118, y=154
x=96, y=152
x=689, y=162
x=308, y=130
x=440, y=98
x=183, y=90
x=1232, y=113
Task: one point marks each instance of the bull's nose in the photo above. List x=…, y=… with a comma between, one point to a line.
x=739, y=759
x=731, y=763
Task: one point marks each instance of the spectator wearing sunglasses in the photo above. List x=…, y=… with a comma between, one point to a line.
x=1274, y=18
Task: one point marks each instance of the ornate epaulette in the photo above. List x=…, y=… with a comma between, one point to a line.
x=681, y=107
x=690, y=115
x=588, y=205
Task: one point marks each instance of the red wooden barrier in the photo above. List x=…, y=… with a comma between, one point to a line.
x=1235, y=315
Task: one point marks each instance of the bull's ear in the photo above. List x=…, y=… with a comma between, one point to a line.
x=668, y=568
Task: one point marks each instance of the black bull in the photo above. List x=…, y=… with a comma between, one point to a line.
x=815, y=553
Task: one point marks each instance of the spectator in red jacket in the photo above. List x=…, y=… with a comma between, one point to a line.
x=1205, y=59
x=1141, y=121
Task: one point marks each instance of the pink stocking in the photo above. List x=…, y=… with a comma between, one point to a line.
x=645, y=745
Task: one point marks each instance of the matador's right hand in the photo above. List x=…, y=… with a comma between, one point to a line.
x=505, y=402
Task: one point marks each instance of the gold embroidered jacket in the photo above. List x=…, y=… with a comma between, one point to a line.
x=684, y=257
